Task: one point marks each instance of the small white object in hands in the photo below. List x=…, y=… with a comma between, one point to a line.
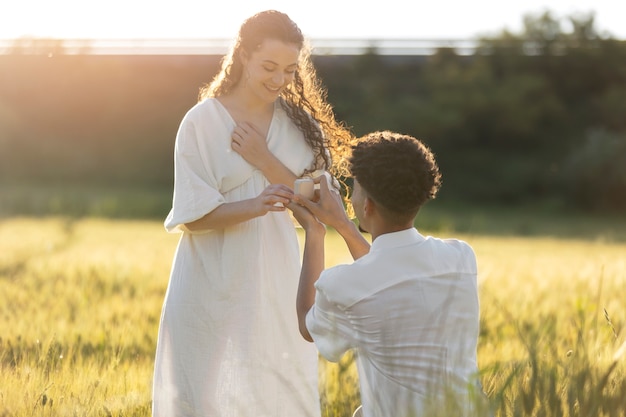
x=333, y=184
x=304, y=187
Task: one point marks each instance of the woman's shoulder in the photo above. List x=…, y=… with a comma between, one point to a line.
x=202, y=109
x=204, y=105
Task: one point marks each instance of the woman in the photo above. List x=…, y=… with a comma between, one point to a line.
x=228, y=340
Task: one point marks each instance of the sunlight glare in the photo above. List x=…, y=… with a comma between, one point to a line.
x=162, y=19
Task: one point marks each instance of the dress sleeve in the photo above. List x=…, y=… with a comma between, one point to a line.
x=329, y=327
x=195, y=185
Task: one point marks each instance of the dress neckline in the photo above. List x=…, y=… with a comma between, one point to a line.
x=234, y=122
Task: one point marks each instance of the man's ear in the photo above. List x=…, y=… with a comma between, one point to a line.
x=369, y=206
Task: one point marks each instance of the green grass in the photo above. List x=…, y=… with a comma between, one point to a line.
x=80, y=300
x=87, y=200
x=540, y=220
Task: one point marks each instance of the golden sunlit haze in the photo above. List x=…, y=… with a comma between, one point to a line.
x=139, y=19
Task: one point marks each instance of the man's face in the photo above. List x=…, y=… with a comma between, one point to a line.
x=358, y=202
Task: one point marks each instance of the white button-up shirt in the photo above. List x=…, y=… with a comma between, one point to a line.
x=410, y=310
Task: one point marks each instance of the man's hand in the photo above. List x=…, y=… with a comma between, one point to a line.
x=306, y=219
x=328, y=207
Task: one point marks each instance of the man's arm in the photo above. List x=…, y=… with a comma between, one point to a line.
x=312, y=264
x=357, y=244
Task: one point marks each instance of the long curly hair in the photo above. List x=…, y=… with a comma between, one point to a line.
x=304, y=99
x=398, y=171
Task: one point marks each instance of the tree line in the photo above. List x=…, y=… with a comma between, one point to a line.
x=534, y=117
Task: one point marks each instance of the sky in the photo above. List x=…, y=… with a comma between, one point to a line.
x=321, y=19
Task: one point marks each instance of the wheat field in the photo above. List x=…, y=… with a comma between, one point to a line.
x=80, y=301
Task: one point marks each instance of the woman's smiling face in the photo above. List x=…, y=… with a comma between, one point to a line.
x=270, y=68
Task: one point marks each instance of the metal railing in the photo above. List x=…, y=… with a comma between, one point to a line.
x=221, y=46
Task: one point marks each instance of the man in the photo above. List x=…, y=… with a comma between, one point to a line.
x=408, y=305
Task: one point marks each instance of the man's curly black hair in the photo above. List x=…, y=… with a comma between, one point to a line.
x=397, y=171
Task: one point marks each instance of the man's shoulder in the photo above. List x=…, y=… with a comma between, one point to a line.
x=456, y=253
x=451, y=244
x=347, y=283
x=336, y=275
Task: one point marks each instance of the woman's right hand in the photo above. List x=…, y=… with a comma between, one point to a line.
x=275, y=197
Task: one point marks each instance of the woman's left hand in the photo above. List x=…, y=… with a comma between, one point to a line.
x=248, y=142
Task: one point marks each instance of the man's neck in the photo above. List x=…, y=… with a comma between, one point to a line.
x=379, y=230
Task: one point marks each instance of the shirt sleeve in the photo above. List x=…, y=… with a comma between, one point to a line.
x=329, y=327
x=195, y=185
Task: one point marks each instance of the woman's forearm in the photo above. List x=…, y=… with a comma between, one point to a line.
x=226, y=215
x=273, y=198
x=276, y=172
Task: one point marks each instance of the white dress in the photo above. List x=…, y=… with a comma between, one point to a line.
x=228, y=343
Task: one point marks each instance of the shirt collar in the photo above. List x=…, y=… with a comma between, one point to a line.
x=397, y=239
